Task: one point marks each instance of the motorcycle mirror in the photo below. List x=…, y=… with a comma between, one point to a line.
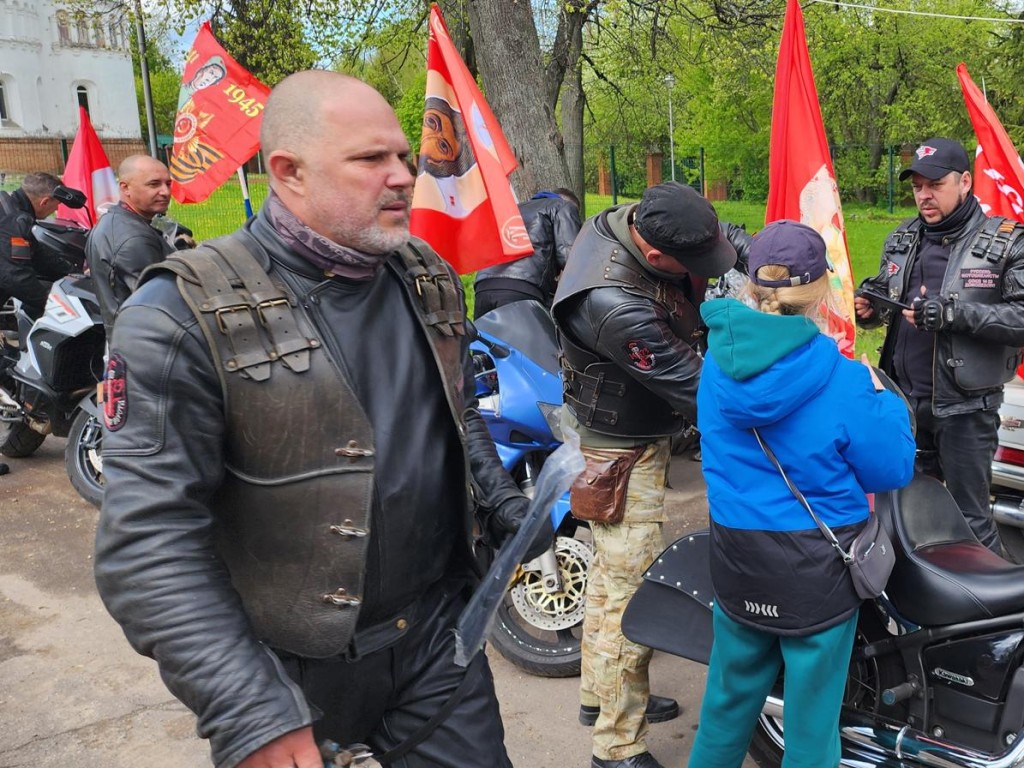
x=72, y=198
x=495, y=349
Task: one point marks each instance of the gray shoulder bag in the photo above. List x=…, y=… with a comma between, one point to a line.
x=871, y=557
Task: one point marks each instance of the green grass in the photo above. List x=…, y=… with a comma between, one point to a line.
x=866, y=230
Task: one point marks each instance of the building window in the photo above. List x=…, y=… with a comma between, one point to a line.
x=63, y=30
x=4, y=117
x=83, y=29
x=83, y=97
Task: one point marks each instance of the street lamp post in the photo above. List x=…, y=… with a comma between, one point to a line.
x=670, y=82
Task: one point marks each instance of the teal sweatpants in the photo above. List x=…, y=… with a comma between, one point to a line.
x=744, y=665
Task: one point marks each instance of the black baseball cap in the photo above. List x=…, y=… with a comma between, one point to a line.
x=790, y=244
x=937, y=157
x=679, y=222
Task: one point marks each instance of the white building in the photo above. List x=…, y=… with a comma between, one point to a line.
x=52, y=59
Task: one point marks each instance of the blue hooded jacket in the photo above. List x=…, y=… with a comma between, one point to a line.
x=834, y=434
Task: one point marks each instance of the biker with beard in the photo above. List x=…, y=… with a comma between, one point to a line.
x=292, y=455
x=962, y=274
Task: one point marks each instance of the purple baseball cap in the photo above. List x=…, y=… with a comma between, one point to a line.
x=790, y=244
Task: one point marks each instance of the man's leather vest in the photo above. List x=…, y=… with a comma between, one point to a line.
x=294, y=508
x=974, y=274
x=601, y=395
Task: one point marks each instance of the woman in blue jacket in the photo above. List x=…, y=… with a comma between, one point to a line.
x=783, y=595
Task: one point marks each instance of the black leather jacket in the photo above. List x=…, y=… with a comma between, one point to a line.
x=652, y=345
x=980, y=351
x=157, y=566
x=25, y=266
x=552, y=224
x=119, y=248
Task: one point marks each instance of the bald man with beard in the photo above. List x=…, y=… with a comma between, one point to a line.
x=292, y=546
x=123, y=242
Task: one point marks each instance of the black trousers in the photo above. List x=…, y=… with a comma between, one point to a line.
x=959, y=450
x=385, y=696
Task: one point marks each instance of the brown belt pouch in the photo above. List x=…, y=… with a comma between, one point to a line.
x=599, y=493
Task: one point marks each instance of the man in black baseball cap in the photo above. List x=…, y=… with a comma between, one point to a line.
x=626, y=312
x=960, y=340
x=937, y=157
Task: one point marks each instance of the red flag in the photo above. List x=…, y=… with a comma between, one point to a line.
x=217, y=128
x=463, y=204
x=88, y=171
x=801, y=181
x=998, y=171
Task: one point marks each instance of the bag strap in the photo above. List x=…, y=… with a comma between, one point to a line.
x=825, y=530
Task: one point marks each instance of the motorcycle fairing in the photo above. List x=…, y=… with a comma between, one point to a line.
x=671, y=611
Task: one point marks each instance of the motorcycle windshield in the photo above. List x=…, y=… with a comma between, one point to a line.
x=526, y=326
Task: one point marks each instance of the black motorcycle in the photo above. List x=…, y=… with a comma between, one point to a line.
x=50, y=368
x=937, y=672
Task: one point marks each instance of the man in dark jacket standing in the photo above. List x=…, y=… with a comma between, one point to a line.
x=552, y=221
x=626, y=311
x=288, y=544
x=123, y=243
x=20, y=254
x=962, y=275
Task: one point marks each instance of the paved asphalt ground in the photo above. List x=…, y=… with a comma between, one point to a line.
x=74, y=695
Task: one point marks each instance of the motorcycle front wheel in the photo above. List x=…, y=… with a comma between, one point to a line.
x=540, y=632
x=83, y=459
x=868, y=676
x=21, y=440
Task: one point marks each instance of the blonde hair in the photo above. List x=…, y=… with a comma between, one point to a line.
x=809, y=299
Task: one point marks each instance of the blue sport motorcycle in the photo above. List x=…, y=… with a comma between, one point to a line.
x=519, y=389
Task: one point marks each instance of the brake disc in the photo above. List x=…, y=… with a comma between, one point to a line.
x=560, y=610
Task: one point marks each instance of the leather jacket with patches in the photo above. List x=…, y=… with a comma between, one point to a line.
x=219, y=541
x=981, y=349
x=629, y=337
x=26, y=267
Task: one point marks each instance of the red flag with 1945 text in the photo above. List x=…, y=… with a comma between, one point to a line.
x=463, y=204
x=217, y=128
x=801, y=181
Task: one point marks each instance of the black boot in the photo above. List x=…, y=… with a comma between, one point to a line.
x=659, y=710
x=643, y=760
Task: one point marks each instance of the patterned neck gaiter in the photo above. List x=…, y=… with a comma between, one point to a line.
x=333, y=259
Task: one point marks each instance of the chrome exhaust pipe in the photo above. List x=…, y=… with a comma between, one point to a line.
x=878, y=744
x=1008, y=513
x=914, y=748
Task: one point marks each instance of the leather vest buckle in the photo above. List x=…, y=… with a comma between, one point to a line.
x=269, y=305
x=219, y=314
x=341, y=598
x=349, y=530
x=353, y=452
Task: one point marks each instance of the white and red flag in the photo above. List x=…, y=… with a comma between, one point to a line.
x=801, y=180
x=88, y=171
x=998, y=170
x=463, y=204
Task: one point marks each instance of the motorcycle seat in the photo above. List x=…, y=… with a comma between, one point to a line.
x=943, y=574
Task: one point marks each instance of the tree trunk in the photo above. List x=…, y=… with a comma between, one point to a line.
x=508, y=55
x=572, y=118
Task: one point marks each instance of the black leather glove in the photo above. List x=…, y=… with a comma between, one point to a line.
x=504, y=522
x=934, y=314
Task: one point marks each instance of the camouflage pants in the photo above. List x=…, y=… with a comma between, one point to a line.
x=614, y=670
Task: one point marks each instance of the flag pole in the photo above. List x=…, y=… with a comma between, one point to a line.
x=147, y=91
x=245, y=191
